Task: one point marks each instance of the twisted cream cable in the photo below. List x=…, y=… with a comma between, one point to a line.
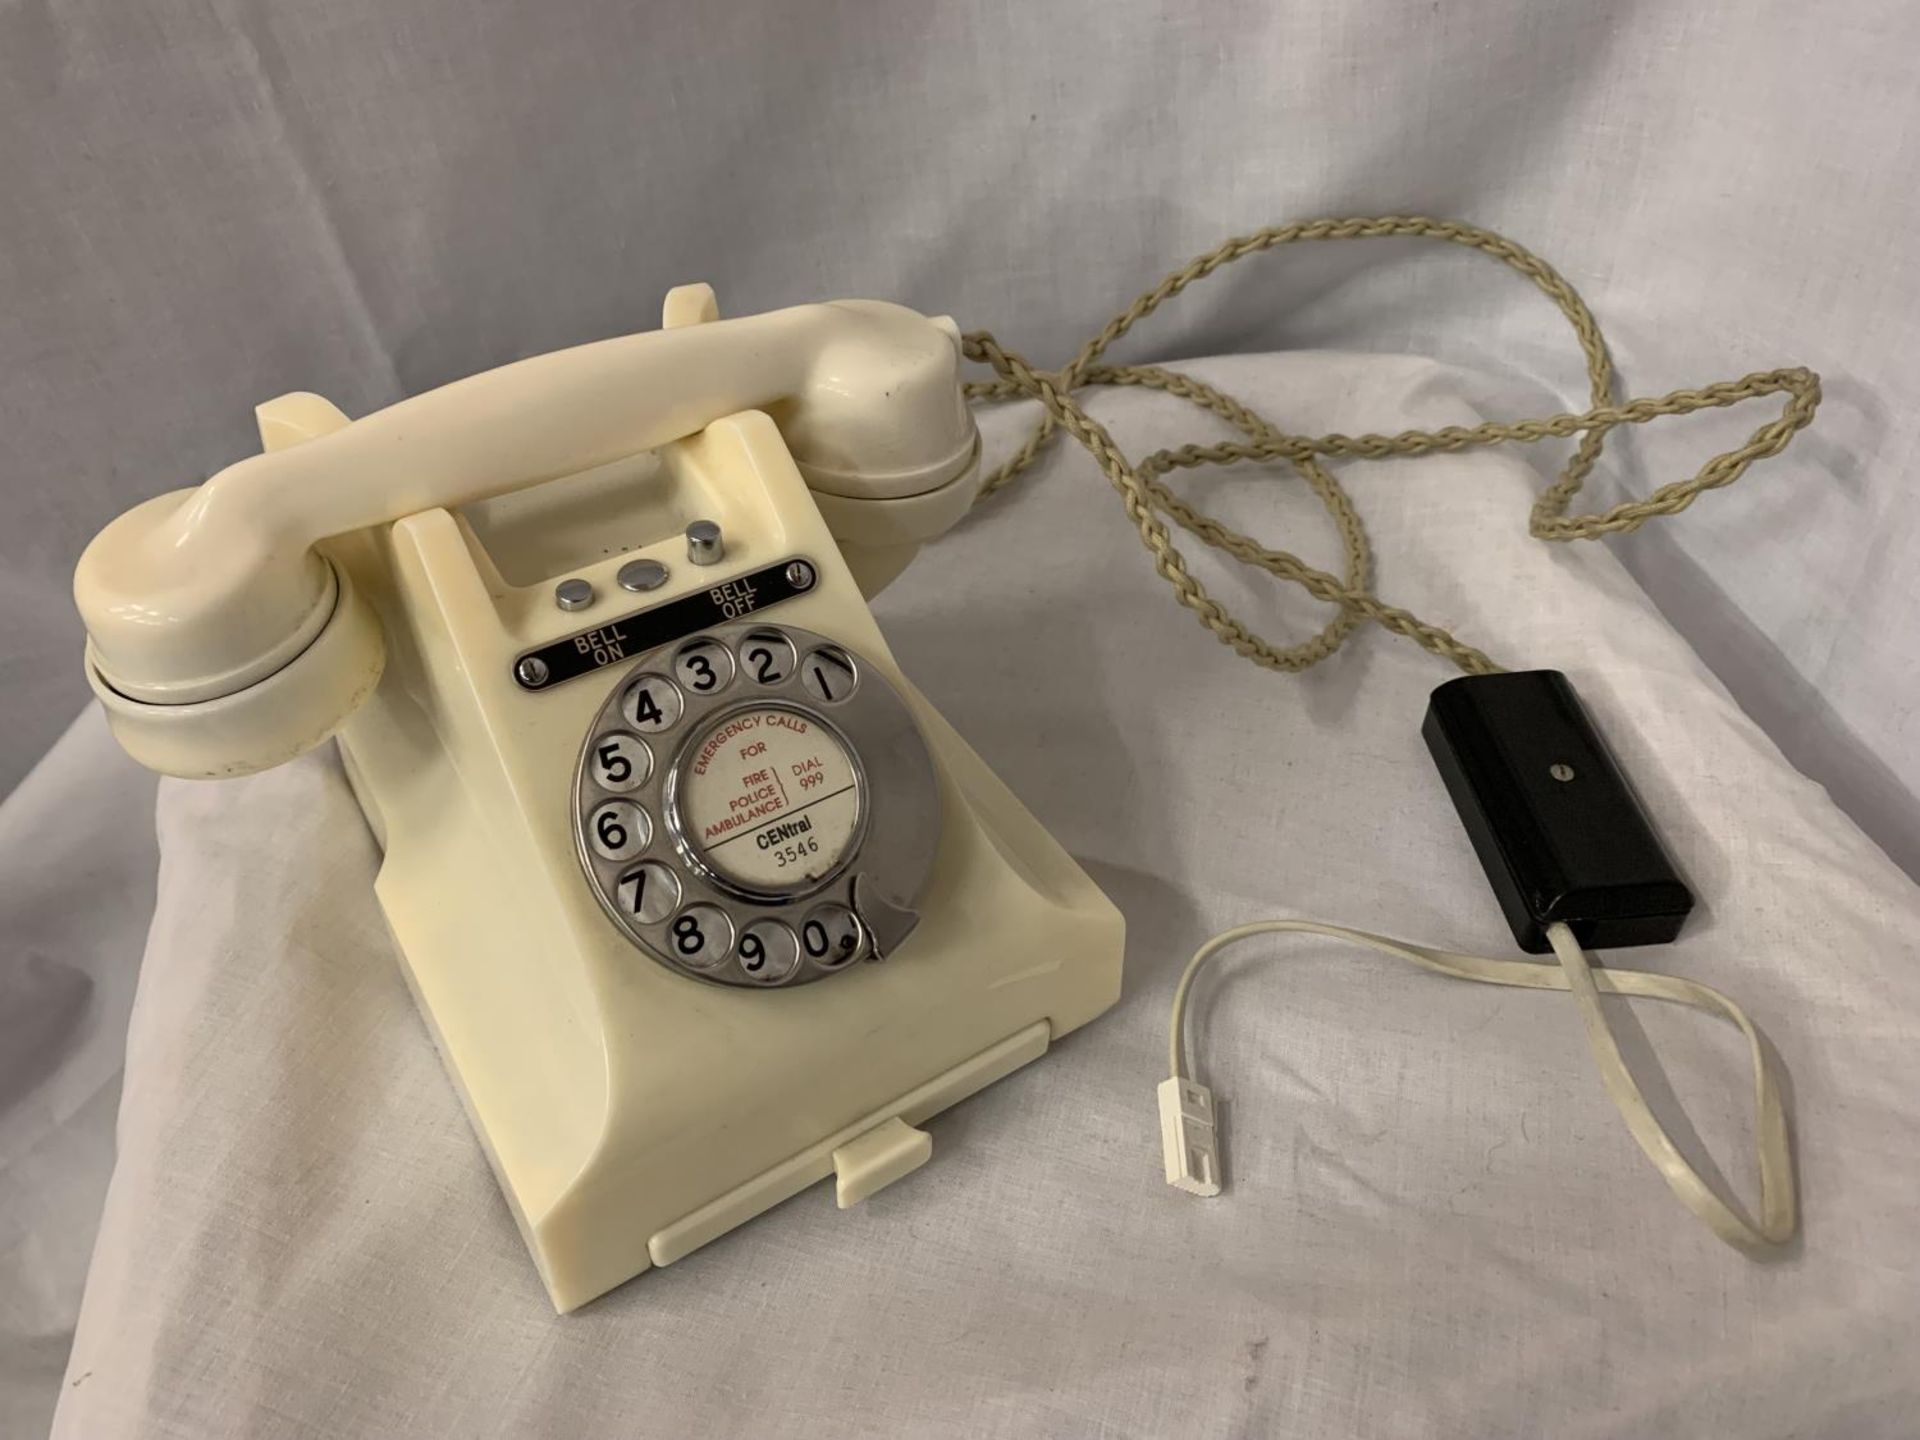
x=1146, y=498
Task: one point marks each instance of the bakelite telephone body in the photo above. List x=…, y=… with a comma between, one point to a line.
x=701, y=900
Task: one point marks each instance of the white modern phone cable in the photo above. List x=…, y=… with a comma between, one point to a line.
x=1189, y=1132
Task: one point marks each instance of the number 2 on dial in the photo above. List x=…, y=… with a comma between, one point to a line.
x=767, y=656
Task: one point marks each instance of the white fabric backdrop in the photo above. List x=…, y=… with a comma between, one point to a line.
x=77, y=861
x=210, y=204
x=1437, y=1225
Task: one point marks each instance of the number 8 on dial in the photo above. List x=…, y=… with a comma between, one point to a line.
x=700, y=936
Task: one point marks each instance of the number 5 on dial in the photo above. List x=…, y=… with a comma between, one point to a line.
x=621, y=762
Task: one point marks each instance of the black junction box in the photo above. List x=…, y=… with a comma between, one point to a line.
x=1557, y=827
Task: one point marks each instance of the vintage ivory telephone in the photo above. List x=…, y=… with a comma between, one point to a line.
x=648, y=781
x=592, y=632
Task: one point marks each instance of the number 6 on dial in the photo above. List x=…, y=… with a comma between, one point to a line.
x=619, y=830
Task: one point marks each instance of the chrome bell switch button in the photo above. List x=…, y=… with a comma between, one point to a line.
x=642, y=575
x=704, y=544
x=574, y=594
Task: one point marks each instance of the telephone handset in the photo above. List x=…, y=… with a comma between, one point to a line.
x=592, y=632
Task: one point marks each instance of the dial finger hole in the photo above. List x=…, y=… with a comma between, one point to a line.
x=831, y=937
x=703, y=666
x=620, y=762
x=828, y=674
x=766, y=657
x=652, y=703
x=700, y=936
x=619, y=830
x=769, y=952
x=648, y=893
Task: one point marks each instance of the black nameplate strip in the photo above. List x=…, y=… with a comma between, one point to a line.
x=633, y=635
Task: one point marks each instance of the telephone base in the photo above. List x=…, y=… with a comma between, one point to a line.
x=631, y=1113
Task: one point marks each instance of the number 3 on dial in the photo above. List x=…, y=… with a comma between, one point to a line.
x=703, y=666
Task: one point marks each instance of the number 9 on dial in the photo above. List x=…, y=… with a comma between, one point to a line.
x=768, y=952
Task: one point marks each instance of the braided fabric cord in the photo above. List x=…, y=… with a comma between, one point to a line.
x=1147, y=498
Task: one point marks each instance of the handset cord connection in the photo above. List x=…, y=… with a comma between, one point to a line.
x=1187, y=1116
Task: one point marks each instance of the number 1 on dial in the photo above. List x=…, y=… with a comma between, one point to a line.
x=828, y=674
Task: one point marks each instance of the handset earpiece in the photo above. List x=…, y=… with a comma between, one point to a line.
x=859, y=435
